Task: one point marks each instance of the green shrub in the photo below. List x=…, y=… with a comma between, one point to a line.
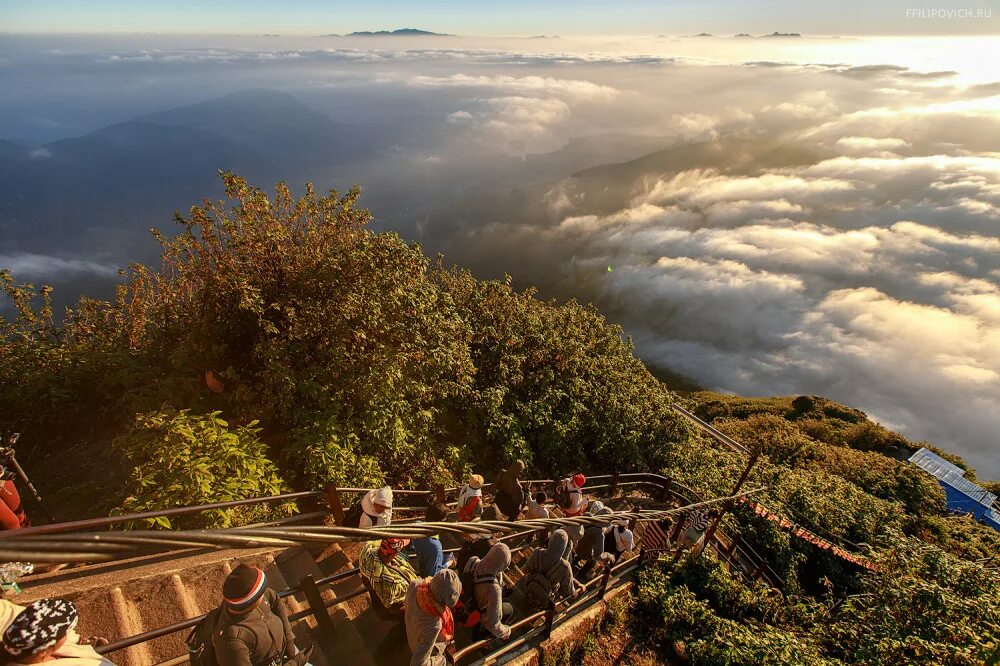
x=671, y=612
x=927, y=607
x=182, y=459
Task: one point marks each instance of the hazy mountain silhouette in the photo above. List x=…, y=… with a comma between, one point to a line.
x=402, y=32
x=115, y=183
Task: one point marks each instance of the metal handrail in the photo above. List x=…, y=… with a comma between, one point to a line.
x=107, y=521
x=615, y=572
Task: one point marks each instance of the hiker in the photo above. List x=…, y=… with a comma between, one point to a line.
x=477, y=545
x=570, y=497
x=376, y=507
x=44, y=631
x=510, y=493
x=12, y=515
x=252, y=627
x=470, y=499
x=693, y=530
x=575, y=533
x=536, y=510
x=548, y=575
x=387, y=574
x=590, y=550
x=487, y=579
x=619, y=539
x=430, y=555
x=430, y=624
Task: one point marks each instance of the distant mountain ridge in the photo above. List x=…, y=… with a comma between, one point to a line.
x=126, y=177
x=401, y=32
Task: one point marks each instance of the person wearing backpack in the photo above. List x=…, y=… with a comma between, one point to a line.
x=570, y=497
x=487, y=592
x=430, y=624
x=510, y=493
x=470, y=499
x=386, y=573
x=376, y=507
x=548, y=575
x=619, y=539
x=430, y=554
x=251, y=627
x=591, y=549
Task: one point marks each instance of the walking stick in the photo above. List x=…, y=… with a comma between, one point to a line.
x=8, y=456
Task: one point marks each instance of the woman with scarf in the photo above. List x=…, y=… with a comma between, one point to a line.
x=430, y=625
x=470, y=499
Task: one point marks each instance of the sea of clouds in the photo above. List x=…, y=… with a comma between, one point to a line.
x=835, y=230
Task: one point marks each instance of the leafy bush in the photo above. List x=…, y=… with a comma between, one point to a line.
x=364, y=361
x=672, y=611
x=926, y=608
x=556, y=385
x=182, y=459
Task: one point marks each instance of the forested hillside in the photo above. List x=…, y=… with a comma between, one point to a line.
x=281, y=344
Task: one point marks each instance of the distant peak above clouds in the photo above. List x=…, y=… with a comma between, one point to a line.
x=401, y=32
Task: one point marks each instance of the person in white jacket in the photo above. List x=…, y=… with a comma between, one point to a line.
x=43, y=631
x=376, y=507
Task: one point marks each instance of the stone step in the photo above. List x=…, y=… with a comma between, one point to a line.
x=126, y=598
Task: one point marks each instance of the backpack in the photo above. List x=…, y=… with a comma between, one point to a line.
x=538, y=587
x=200, y=642
x=467, y=610
x=353, y=516
x=564, y=498
x=467, y=606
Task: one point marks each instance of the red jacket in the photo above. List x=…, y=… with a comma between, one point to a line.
x=12, y=515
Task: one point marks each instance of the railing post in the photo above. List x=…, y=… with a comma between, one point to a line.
x=316, y=603
x=550, y=617
x=666, y=491
x=605, y=578
x=732, y=546
x=333, y=503
x=678, y=526
x=710, y=533
x=614, y=484
x=439, y=494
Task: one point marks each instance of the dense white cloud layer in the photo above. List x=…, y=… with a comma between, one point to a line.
x=833, y=243
x=838, y=234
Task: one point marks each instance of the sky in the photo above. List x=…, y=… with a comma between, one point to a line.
x=508, y=18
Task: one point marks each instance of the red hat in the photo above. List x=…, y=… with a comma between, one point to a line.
x=579, y=480
x=391, y=547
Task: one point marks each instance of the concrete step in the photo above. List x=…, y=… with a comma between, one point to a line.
x=125, y=598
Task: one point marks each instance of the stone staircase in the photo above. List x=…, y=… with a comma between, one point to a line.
x=126, y=598
x=134, y=596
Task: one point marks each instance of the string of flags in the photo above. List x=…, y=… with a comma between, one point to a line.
x=806, y=535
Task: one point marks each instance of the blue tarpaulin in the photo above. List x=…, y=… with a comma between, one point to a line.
x=961, y=495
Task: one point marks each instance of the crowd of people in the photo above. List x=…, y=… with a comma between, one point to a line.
x=436, y=591
x=430, y=590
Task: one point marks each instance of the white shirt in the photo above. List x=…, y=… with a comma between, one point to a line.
x=535, y=510
x=368, y=512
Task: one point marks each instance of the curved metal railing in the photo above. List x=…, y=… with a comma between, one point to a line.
x=64, y=542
